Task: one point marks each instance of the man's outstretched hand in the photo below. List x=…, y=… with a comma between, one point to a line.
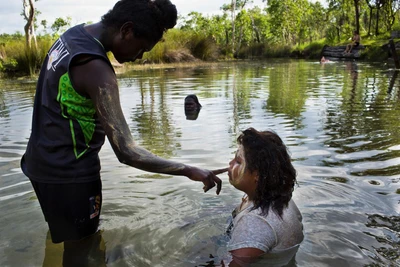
x=208, y=178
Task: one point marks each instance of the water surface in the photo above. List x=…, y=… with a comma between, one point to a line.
x=339, y=120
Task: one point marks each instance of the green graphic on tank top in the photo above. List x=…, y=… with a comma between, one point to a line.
x=75, y=107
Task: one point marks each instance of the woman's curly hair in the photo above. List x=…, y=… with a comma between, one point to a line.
x=150, y=18
x=267, y=156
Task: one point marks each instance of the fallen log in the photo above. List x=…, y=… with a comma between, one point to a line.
x=338, y=52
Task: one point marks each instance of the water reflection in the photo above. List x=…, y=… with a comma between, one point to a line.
x=392, y=83
x=192, y=115
x=152, y=117
x=282, y=84
x=87, y=252
x=11, y=93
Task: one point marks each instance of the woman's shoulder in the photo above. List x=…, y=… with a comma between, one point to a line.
x=253, y=219
x=291, y=215
x=252, y=230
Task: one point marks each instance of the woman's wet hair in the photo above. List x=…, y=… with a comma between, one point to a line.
x=150, y=18
x=267, y=156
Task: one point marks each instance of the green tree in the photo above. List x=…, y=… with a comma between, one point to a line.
x=339, y=18
x=44, y=25
x=216, y=27
x=286, y=18
x=260, y=24
x=234, y=7
x=60, y=25
x=244, y=26
x=375, y=5
x=316, y=22
x=389, y=12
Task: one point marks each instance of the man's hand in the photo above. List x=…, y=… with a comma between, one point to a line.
x=219, y=171
x=208, y=178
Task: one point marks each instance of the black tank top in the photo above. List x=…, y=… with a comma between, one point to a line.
x=66, y=134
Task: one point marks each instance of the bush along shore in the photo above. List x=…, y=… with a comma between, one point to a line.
x=182, y=47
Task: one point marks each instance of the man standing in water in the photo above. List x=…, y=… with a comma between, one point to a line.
x=77, y=104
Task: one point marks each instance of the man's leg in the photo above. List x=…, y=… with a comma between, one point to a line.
x=89, y=251
x=53, y=253
x=347, y=49
x=351, y=48
x=72, y=211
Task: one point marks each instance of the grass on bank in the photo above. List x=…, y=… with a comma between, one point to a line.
x=179, y=46
x=15, y=57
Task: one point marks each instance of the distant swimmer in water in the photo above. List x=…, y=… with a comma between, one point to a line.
x=192, y=107
x=324, y=60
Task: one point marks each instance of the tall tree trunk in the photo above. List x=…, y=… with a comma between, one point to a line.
x=227, y=38
x=377, y=22
x=29, y=28
x=357, y=10
x=338, y=33
x=255, y=29
x=240, y=39
x=233, y=26
x=370, y=21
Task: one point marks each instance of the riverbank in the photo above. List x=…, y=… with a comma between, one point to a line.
x=376, y=50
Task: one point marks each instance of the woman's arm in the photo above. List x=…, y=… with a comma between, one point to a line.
x=97, y=79
x=245, y=256
x=252, y=236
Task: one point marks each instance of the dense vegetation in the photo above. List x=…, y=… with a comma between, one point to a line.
x=282, y=28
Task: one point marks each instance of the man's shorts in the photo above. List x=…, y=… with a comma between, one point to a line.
x=72, y=211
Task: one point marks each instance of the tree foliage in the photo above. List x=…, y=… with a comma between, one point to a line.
x=295, y=22
x=61, y=24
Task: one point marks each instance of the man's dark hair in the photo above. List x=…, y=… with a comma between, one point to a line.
x=150, y=18
x=267, y=156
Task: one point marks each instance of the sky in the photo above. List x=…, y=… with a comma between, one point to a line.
x=89, y=10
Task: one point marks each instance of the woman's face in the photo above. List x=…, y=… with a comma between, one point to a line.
x=239, y=177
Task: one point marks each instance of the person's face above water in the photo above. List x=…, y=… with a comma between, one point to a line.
x=127, y=47
x=238, y=174
x=191, y=104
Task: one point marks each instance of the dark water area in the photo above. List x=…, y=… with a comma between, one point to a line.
x=341, y=124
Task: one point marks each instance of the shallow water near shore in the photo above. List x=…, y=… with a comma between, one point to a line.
x=340, y=122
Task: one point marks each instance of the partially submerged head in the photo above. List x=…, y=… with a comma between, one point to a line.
x=138, y=25
x=192, y=103
x=192, y=107
x=262, y=169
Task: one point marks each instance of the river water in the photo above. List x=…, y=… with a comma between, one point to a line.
x=341, y=124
